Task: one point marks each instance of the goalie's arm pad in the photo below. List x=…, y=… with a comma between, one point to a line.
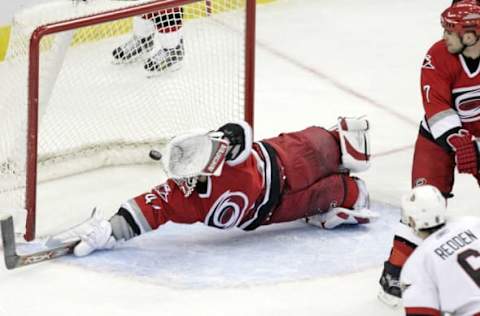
x=239, y=135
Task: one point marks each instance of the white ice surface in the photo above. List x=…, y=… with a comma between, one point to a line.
x=316, y=60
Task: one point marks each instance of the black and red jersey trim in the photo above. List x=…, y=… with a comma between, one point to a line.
x=266, y=203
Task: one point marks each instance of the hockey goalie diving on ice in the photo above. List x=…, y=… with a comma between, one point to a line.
x=226, y=180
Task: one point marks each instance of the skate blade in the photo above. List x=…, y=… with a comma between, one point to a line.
x=171, y=69
x=389, y=300
x=135, y=59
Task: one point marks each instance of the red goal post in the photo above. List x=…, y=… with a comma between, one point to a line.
x=243, y=91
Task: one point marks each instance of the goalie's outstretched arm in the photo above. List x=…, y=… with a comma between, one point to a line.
x=170, y=201
x=139, y=215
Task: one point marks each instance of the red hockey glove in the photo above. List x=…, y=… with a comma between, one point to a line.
x=466, y=152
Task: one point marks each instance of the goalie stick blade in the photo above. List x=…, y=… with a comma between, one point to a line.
x=14, y=260
x=8, y=241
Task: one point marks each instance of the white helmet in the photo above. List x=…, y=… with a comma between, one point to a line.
x=424, y=207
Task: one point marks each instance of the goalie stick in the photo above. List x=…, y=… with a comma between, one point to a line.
x=14, y=260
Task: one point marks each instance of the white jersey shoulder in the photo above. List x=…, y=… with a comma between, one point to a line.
x=444, y=271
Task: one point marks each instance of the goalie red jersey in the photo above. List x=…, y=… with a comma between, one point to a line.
x=222, y=202
x=223, y=179
x=292, y=176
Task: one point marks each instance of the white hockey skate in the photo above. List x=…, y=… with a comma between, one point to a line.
x=390, y=292
x=165, y=60
x=388, y=299
x=133, y=50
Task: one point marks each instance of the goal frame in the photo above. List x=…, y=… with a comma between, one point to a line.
x=66, y=25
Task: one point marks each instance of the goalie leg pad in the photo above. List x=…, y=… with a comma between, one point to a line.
x=339, y=216
x=354, y=143
x=353, y=210
x=363, y=198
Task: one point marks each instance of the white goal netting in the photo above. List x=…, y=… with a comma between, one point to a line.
x=95, y=110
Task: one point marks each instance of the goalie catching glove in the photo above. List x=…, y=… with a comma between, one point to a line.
x=196, y=153
x=202, y=153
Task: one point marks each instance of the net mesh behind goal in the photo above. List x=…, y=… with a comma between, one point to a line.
x=94, y=111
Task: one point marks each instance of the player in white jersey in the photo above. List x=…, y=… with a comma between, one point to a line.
x=443, y=273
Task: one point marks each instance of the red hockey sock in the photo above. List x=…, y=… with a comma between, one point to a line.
x=166, y=21
x=401, y=250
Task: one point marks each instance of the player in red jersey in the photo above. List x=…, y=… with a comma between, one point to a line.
x=449, y=131
x=226, y=180
x=157, y=40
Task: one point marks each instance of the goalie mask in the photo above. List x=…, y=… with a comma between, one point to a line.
x=193, y=154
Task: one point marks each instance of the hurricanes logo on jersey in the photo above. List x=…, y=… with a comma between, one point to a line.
x=467, y=103
x=227, y=210
x=427, y=62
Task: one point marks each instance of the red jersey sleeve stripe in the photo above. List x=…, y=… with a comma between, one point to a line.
x=422, y=311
